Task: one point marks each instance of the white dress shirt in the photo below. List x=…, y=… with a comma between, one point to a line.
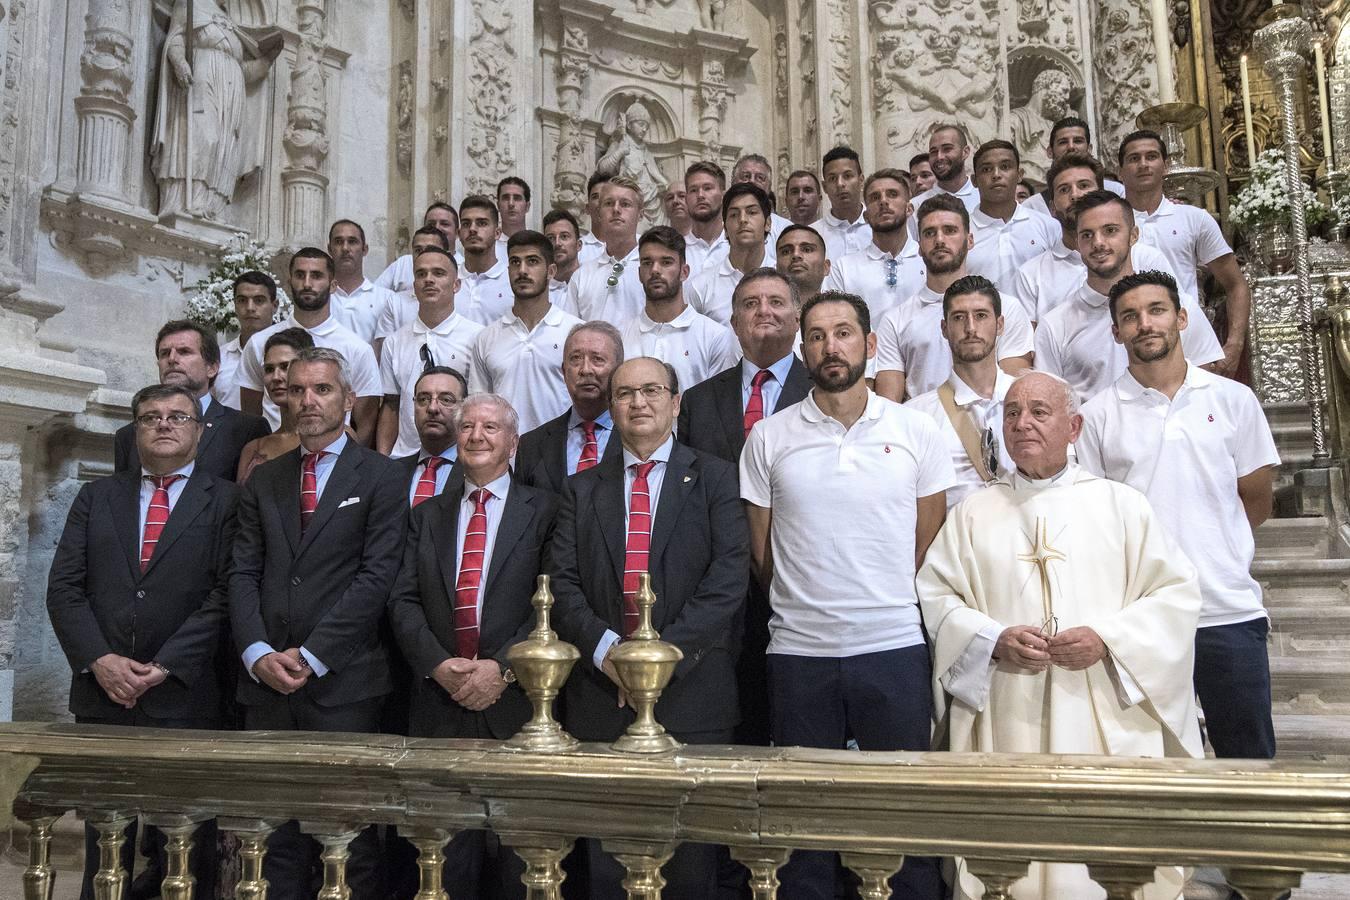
x=524, y=366
x=496, y=503
x=868, y=273
x=175, y=491
x=842, y=237
x=329, y=333
x=1046, y=281
x=485, y=297
x=360, y=310
x=987, y=414
x=226, y=386
x=1004, y=246
x=590, y=296
x=693, y=344
x=442, y=473
x=450, y=344
x=1187, y=235
x=576, y=438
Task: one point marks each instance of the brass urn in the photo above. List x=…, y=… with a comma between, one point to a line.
x=645, y=665
x=542, y=663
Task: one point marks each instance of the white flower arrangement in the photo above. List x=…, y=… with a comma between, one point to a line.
x=1264, y=200
x=213, y=303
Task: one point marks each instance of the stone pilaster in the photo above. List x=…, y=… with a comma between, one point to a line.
x=103, y=106
x=303, y=181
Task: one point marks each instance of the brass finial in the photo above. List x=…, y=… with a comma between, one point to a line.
x=645, y=664
x=542, y=663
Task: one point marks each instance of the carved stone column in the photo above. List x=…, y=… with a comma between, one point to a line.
x=103, y=106
x=1125, y=73
x=569, y=160
x=304, y=185
x=496, y=110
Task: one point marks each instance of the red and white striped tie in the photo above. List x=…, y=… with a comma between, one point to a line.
x=156, y=516
x=309, y=487
x=426, y=485
x=471, y=564
x=638, y=545
x=590, y=448
x=754, y=407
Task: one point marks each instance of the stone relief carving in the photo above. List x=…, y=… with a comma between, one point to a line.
x=409, y=7
x=306, y=137
x=713, y=95
x=103, y=107
x=780, y=68
x=1126, y=76
x=1051, y=91
x=637, y=64
x=569, y=158
x=403, y=138
x=841, y=41
x=712, y=14
x=806, y=30
x=492, y=96
x=9, y=120
x=629, y=155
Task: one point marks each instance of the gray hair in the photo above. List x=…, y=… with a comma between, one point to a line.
x=599, y=326
x=328, y=355
x=1071, y=402
x=487, y=399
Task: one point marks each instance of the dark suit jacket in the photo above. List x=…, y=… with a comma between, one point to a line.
x=225, y=431
x=173, y=613
x=700, y=566
x=712, y=417
x=541, y=458
x=422, y=607
x=325, y=590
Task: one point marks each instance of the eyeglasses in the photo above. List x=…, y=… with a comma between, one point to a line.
x=175, y=420
x=1050, y=627
x=428, y=361
x=613, y=278
x=891, y=265
x=422, y=401
x=989, y=450
x=650, y=393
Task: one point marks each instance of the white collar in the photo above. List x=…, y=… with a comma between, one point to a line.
x=326, y=327
x=185, y=470
x=978, y=217
x=496, y=271
x=835, y=222
x=812, y=413
x=1066, y=476
x=908, y=251
x=444, y=327
x=1128, y=387
x=1090, y=297
x=681, y=322
x=497, y=487
x=926, y=296
x=660, y=454
x=1165, y=208
x=365, y=286
x=964, y=395
x=552, y=318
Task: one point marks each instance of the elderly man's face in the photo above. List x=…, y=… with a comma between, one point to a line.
x=486, y=439
x=1037, y=425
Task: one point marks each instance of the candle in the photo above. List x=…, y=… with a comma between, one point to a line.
x=1247, y=113
x=1320, y=65
x=1162, y=49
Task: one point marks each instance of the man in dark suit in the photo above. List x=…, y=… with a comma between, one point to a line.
x=487, y=538
x=137, y=597
x=675, y=512
x=436, y=398
x=580, y=437
x=716, y=416
x=189, y=356
x=321, y=533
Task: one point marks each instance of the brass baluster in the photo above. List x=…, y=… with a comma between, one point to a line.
x=643, y=862
x=40, y=877
x=997, y=875
x=543, y=855
x=110, y=879
x=1121, y=882
x=252, y=836
x=645, y=664
x=875, y=870
x=178, y=881
x=763, y=863
x=334, y=855
x=430, y=844
x=1263, y=884
x=542, y=663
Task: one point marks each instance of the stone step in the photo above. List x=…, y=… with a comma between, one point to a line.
x=1305, y=736
x=1309, y=629
x=1312, y=684
x=1303, y=582
x=1294, y=538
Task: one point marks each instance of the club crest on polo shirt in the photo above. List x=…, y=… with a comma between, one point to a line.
x=887, y=448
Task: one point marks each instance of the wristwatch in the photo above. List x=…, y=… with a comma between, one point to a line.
x=508, y=675
x=160, y=667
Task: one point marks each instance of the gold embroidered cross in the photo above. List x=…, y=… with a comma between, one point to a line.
x=1040, y=556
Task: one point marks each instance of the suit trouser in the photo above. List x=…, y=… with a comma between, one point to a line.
x=291, y=866
x=203, y=862
x=1232, y=677
x=885, y=702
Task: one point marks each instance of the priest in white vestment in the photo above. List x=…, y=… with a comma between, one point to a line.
x=1062, y=620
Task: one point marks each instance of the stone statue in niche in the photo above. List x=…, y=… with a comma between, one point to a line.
x=628, y=155
x=1031, y=124
x=712, y=14
x=215, y=149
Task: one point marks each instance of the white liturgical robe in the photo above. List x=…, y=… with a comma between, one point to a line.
x=1109, y=566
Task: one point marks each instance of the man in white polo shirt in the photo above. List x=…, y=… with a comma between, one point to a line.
x=888, y=270
x=844, y=227
x=397, y=276
x=1187, y=235
x=844, y=493
x=755, y=169
x=1074, y=341
x=1199, y=447
x=439, y=336
x=403, y=308
x=1048, y=280
x=1007, y=234
x=255, y=306
x=912, y=356
x=520, y=356
x=311, y=278
x=668, y=328
x=968, y=406
x=707, y=243
x=1068, y=135
x=948, y=149
x=357, y=302
x=745, y=213
x=593, y=241
x=607, y=287
x=485, y=286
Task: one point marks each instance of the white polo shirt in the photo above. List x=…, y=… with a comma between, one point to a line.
x=842, y=237
x=485, y=297
x=591, y=248
x=909, y=340
x=693, y=344
x=226, y=386
x=399, y=310
x=987, y=414
x=557, y=292
x=867, y=273
x=968, y=194
x=360, y=310
x=1036, y=202
x=450, y=344
x=710, y=291
x=700, y=255
x=844, y=506
x=1187, y=235
x=1075, y=342
x=328, y=333
x=1002, y=247
x=776, y=225
x=590, y=296
x=398, y=275
x=1051, y=278
x=524, y=366
x=1186, y=456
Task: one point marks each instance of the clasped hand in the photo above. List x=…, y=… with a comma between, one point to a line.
x=284, y=672
x=123, y=679
x=474, y=684
x=1027, y=647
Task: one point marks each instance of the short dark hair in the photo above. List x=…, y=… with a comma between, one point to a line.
x=1074, y=161
x=442, y=251
x=972, y=284
x=479, y=201
x=296, y=338
x=952, y=126
x=795, y=227
x=209, y=344
x=1102, y=198
x=357, y=225
x=839, y=152
x=741, y=189
x=518, y=182
x=441, y=204
x=554, y=216
x=888, y=174
x=1069, y=122
x=1143, y=134
x=942, y=202
x=916, y=159
x=163, y=392
x=596, y=178
x=444, y=370
x=991, y=146
x=761, y=274
x=433, y=230
x=672, y=379
x=528, y=238
x=1140, y=279
x=261, y=279
x=858, y=303
x=665, y=236
x=312, y=253
x=707, y=167
x=804, y=173
x=758, y=158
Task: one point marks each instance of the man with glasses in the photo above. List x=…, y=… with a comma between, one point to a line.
x=438, y=336
x=1062, y=618
x=662, y=508
x=607, y=287
x=436, y=396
